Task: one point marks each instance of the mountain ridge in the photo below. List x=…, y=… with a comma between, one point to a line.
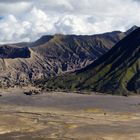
x=116, y=72
x=52, y=55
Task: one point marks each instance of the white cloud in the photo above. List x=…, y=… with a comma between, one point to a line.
x=28, y=20
x=14, y=8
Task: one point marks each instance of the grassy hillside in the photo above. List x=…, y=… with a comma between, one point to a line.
x=116, y=72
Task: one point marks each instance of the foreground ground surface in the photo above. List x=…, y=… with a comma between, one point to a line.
x=61, y=116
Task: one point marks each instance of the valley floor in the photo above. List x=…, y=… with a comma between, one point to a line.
x=61, y=116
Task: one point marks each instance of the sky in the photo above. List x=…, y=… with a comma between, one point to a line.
x=28, y=20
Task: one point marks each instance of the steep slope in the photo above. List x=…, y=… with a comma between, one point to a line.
x=23, y=63
x=71, y=52
x=116, y=72
x=134, y=83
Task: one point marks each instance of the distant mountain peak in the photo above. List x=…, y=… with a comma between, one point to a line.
x=44, y=39
x=131, y=29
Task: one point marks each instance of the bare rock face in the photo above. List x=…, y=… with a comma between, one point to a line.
x=24, y=63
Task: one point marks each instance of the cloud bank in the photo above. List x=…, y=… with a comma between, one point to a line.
x=26, y=20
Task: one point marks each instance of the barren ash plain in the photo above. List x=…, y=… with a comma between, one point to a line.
x=68, y=116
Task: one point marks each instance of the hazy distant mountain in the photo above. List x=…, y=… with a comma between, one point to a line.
x=116, y=72
x=23, y=63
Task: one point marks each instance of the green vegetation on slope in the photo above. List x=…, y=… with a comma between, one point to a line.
x=116, y=72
